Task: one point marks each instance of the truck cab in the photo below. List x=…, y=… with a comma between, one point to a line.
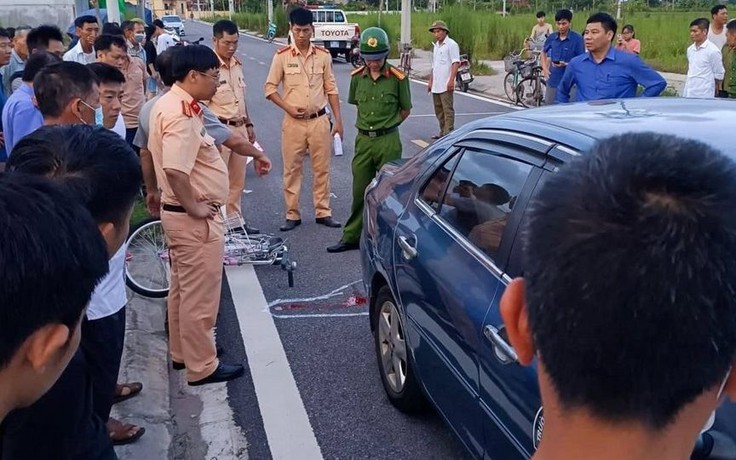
x=333, y=31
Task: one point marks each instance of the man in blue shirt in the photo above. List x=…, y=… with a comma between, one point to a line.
x=5, y=50
x=559, y=49
x=20, y=116
x=604, y=72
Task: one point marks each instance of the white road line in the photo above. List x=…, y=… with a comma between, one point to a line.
x=261, y=63
x=471, y=114
x=322, y=315
x=475, y=96
x=422, y=144
x=285, y=419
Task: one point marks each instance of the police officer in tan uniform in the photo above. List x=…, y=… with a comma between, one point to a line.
x=193, y=180
x=229, y=106
x=305, y=71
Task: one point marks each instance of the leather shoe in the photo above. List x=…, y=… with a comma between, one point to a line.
x=181, y=366
x=223, y=373
x=328, y=222
x=290, y=225
x=249, y=230
x=343, y=246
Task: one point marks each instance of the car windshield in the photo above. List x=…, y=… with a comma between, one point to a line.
x=171, y=19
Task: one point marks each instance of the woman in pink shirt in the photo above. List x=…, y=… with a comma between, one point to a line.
x=627, y=40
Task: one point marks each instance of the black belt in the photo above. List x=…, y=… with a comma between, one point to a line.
x=174, y=208
x=236, y=123
x=378, y=132
x=318, y=114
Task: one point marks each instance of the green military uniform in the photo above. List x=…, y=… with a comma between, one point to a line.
x=379, y=105
x=729, y=63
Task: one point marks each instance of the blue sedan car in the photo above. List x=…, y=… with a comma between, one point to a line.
x=441, y=241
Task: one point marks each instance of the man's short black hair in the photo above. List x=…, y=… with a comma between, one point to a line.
x=107, y=73
x=629, y=279
x=606, y=21
x=700, y=23
x=36, y=62
x=111, y=28
x=127, y=26
x=39, y=37
x=164, y=64
x=731, y=26
x=11, y=31
x=86, y=19
x=541, y=14
x=53, y=256
x=94, y=162
x=563, y=15
x=301, y=17
x=158, y=23
x=199, y=58
x=56, y=85
x=105, y=42
x=224, y=26
x=717, y=9
x=4, y=33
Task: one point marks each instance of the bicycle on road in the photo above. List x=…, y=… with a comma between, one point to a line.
x=147, y=263
x=524, y=83
x=405, y=58
x=271, y=33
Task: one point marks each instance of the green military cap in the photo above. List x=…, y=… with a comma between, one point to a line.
x=374, y=44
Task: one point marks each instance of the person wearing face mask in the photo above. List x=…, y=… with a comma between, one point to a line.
x=111, y=94
x=135, y=35
x=68, y=93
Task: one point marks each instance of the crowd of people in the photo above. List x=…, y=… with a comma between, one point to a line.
x=598, y=64
x=90, y=122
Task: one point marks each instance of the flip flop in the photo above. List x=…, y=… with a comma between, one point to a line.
x=120, y=435
x=125, y=391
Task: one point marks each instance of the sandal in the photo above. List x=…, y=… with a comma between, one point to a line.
x=123, y=433
x=125, y=391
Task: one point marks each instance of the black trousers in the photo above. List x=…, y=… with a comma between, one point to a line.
x=61, y=425
x=102, y=345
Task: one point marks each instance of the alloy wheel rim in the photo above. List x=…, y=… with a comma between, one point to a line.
x=392, y=346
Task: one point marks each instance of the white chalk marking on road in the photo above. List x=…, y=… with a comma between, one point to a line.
x=285, y=420
x=322, y=315
x=422, y=144
x=261, y=63
x=470, y=114
x=333, y=293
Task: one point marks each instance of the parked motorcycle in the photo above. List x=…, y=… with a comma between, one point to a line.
x=355, y=58
x=463, y=76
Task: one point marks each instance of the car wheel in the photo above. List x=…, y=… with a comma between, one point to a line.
x=394, y=359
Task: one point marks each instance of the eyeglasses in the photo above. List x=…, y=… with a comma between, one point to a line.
x=216, y=78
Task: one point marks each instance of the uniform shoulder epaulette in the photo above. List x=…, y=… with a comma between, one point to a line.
x=321, y=48
x=283, y=50
x=357, y=71
x=237, y=61
x=186, y=109
x=398, y=73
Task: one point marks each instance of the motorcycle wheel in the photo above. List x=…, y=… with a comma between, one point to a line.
x=355, y=60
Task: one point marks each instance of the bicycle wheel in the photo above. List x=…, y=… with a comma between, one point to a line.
x=530, y=91
x=147, y=270
x=509, y=86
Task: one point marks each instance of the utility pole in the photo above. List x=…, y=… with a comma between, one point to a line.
x=269, y=10
x=405, y=25
x=618, y=9
x=113, y=11
x=230, y=10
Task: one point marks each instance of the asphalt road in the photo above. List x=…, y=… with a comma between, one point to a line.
x=327, y=341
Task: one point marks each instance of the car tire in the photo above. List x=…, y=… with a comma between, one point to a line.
x=394, y=359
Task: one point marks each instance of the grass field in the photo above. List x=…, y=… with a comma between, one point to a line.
x=488, y=35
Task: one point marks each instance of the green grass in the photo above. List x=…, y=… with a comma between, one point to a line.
x=486, y=34
x=139, y=213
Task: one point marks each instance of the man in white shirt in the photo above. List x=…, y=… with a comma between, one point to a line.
x=704, y=63
x=445, y=62
x=163, y=40
x=87, y=29
x=717, y=30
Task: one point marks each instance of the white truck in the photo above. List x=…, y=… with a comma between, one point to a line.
x=333, y=31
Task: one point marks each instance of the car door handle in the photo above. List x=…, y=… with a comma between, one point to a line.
x=407, y=249
x=504, y=352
